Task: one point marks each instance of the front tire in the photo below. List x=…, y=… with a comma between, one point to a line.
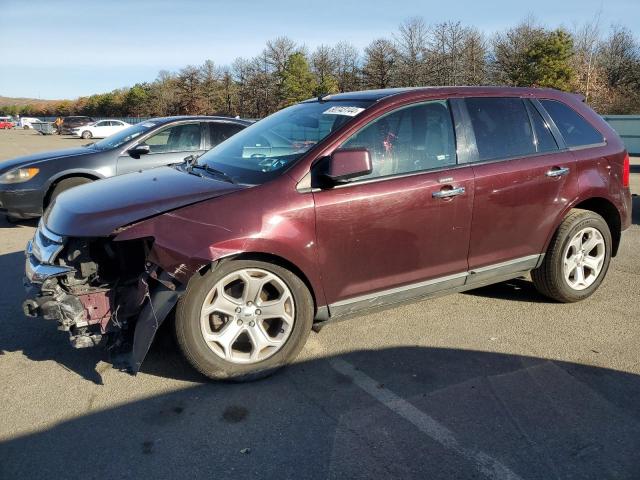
x=87, y=135
x=66, y=184
x=577, y=259
x=243, y=320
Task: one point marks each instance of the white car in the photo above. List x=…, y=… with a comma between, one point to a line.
x=100, y=129
x=27, y=122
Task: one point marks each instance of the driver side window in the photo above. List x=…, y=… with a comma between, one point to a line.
x=178, y=138
x=410, y=139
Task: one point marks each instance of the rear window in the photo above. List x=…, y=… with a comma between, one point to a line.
x=502, y=127
x=575, y=130
x=220, y=131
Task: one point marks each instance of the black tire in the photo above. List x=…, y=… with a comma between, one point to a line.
x=87, y=135
x=66, y=184
x=26, y=127
x=203, y=359
x=549, y=279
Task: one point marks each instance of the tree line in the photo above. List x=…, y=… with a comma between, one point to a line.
x=604, y=67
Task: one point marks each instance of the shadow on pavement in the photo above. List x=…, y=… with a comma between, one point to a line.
x=541, y=419
x=517, y=290
x=6, y=223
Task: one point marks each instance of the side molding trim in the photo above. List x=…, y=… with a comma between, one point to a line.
x=459, y=282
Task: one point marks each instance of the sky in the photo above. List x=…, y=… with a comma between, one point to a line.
x=66, y=49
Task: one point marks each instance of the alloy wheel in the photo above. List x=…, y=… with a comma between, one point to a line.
x=584, y=258
x=247, y=316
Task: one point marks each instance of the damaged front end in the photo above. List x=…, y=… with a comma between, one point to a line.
x=101, y=291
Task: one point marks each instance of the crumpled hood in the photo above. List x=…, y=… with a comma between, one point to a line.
x=98, y=208
x=7, y=165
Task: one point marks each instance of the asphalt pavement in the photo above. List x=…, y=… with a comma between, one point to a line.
x=496, y=383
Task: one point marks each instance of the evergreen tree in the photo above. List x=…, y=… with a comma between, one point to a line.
x=548, y=61
x=298, y=82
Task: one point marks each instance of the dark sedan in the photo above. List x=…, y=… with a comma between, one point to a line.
x=28, y=184
x=69, y=123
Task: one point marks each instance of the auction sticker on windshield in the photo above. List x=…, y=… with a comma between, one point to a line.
x=348, y=111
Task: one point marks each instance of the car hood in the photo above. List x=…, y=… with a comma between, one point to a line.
x=7, y=165
x=99, y=208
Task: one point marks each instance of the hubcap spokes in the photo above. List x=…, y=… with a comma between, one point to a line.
x=247, y=316
x=584, y=258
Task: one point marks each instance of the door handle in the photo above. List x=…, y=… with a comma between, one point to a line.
x=558, y=172
x=449, y=192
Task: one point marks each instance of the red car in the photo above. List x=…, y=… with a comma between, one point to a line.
x=6, y=124
x=330, y=208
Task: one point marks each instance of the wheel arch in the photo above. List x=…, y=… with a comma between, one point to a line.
x=275, y=259
x=603, y=207
x=64, y=176
x=607, y=210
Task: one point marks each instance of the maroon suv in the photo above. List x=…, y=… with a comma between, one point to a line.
x=329, y=208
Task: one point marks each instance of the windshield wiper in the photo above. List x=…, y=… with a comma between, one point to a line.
x=226, y=177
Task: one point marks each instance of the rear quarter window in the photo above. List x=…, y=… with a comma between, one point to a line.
x=575, y=130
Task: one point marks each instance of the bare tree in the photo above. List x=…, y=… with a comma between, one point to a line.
x=228, y=91
x=324, y=66
x=189, y=90
x=209, y=87
x=619, y=59
x=446, y=54
x=474, y=55
x=586, y=40
x=411, y=46
x=509, y=51
x=620, y=55
x=347, y=67
x=241, y=72
x=379, y=64
x=163, y=95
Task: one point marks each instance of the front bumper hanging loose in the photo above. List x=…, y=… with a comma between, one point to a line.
x=127, y=316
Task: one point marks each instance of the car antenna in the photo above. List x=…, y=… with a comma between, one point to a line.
x=322, y=96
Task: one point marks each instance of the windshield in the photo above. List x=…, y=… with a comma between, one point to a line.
x=123, y=136
x=260, y=152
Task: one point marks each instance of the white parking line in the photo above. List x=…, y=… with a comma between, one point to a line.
x=486, y=464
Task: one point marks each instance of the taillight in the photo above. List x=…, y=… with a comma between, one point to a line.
x=626, y=168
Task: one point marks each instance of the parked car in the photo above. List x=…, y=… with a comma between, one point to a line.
x=27, y=122
x=69, y=123
x=330, y=208
x=28, y=184
x=6, y=123
x=101, y=129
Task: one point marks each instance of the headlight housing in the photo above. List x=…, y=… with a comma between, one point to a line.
x=19, y=175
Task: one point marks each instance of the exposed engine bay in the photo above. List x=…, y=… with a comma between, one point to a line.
x=97, y=289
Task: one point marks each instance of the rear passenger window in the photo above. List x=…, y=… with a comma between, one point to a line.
x=544, y=138
x=501, y=126
x=221, y=131
x=575, y=130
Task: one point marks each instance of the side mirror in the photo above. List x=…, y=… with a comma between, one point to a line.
x=346, y=164
x=138, y=150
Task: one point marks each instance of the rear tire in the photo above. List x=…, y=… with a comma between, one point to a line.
x=229, y=351
x=577, y=259
x=66, y=184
